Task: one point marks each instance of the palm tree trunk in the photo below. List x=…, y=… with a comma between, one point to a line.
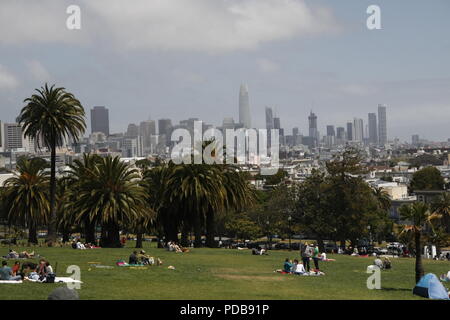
x=32, y=234
x=139, y=237
x=184, y=235
x=210, y=229
x=90, y=231
x=419, y=266
x=197, y=232
x=51, y=235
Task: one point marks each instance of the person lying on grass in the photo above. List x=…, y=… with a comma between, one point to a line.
x=21, y=255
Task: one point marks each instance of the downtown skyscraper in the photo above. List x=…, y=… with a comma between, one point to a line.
x=244, y=107
x=373, y=130
x=100, y=120
x=382, y=125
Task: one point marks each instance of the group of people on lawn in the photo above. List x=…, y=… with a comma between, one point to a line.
x=142, y=258
x=28, y=271
x=307, y=253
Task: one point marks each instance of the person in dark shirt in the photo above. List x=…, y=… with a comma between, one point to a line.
x=133, y=258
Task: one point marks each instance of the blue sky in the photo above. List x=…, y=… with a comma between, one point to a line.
x=187, y=58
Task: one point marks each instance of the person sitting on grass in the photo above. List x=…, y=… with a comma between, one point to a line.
x=299, y=268
x=145, y=259
x=287, y=266
x=42, y=269
x=377, y=262
x=6, y=273
x=16, y=268
x=133, y=258
x=387, y=263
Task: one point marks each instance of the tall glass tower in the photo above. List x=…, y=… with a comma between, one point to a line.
x=244, y=107
x=382, y=124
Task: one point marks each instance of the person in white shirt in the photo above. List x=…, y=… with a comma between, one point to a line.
x=299, y=268
x=323, y=256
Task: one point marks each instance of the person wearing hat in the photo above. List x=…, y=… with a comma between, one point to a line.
x=63, y=293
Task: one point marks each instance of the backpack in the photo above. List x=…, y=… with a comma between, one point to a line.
x=50, y=278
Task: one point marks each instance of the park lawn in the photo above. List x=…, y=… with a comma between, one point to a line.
x=218, y=274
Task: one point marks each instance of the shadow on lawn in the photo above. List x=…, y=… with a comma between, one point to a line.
x=396, y=289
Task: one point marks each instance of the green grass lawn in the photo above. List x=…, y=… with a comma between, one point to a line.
x=218, y=274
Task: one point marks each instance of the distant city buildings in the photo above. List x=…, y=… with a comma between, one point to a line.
x=373, y=128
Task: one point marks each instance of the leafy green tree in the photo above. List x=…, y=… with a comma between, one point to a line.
x=428, y=178
x=243, y=227
x=50, y=117
x=312, y=208
x=26, y=196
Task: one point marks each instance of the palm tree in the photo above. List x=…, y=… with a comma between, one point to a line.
x=418, y=215
x=50, y=117
x=113, y=197
x=441, y=208
x=167, y=218
x=383, y=198
x=197, y=189
x=80, y=172
x=26, y=196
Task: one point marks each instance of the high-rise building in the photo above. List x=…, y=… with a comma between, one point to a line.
x=349, y=131
x=373, y=130
x=164, y=126
x=330, y=131
x=132, y=131
x=340, y=135
x=165, y=131
x=13, y=136
x=382, y=125
x=358, y=130
x=244, y=107
x=415, y=140
x=312, y=119
x=100, y=120
x=147, y=129
x=270, y=124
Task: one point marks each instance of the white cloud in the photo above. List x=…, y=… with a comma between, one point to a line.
x=7, y=79
x=192, y=25
x=25, y=22
x=38, y=71
x=267, y=66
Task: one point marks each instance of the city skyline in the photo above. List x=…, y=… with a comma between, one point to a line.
x=294, y=68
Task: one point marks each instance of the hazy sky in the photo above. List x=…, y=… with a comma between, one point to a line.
x=187, y=58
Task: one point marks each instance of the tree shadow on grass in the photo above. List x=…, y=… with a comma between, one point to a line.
x=396, y=289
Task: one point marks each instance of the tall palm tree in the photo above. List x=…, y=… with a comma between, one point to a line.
x=113, y=197
x=26, y=196
x=50, y=117
x=418, y=215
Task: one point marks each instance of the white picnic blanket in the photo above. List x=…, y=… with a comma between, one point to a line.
x=11, y=281
x=61, y=280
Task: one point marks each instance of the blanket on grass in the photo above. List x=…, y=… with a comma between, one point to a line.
x=10, y=281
